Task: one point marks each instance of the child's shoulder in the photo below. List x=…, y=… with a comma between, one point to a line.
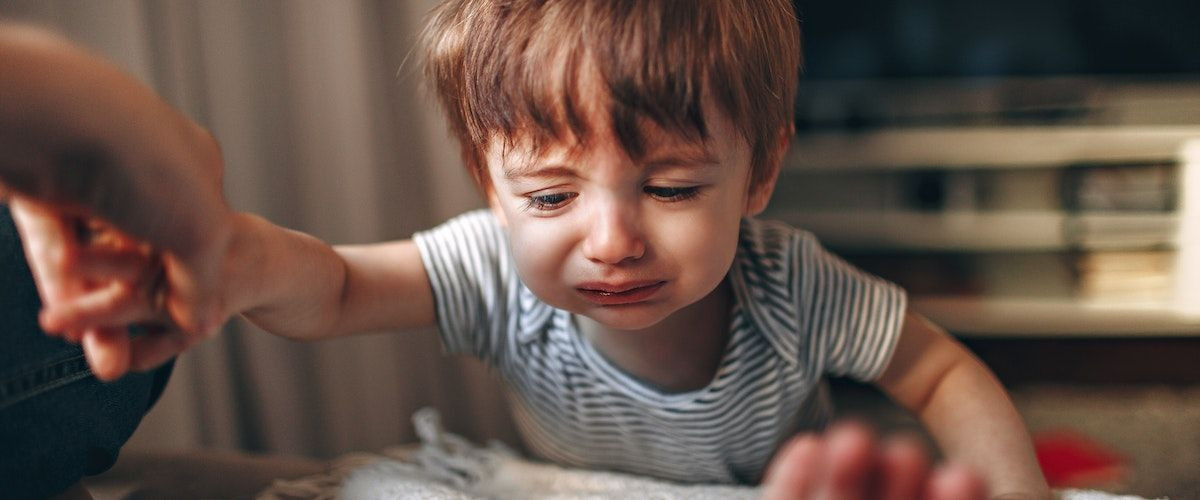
x=481, y=216
x=773, y=237
x=480, y=221
x=477, y=232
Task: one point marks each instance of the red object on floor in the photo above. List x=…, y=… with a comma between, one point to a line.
x=1072, y=460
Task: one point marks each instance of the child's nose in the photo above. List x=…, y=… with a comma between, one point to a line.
x=614, y=237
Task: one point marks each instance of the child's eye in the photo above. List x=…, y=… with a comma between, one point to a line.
x=672, y=193
x=546, y=202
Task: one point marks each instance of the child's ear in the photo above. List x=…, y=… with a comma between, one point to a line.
x=760, y=194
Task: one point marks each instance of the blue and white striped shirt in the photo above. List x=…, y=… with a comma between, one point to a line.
x=800, y=314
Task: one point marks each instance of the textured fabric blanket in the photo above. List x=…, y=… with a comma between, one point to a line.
x=446, y=466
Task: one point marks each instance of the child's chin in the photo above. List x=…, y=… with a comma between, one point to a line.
x=627, y=318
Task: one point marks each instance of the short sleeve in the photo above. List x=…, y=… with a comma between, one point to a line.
x=852, y=318
x=473, y=282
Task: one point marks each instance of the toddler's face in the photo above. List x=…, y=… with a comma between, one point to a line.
x=624, y=242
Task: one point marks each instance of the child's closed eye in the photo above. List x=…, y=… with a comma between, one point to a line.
x=546, y=202
x=554, y=201
x=672, y=193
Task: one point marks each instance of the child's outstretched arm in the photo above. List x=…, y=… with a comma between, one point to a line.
x=297, y=286
x=286, y=282
x=965, y=408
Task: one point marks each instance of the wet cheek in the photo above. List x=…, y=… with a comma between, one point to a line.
x=540, y=263
x=705, y=247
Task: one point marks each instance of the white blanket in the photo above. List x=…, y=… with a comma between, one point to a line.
x=447, y=466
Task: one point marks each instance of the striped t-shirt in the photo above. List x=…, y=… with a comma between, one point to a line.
x=800, y=314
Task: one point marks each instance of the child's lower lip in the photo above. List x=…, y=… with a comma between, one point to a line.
x=630, y=296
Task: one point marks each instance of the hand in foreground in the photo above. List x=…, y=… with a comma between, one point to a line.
x=95, y=282
x=84, y=141
x=846, y=463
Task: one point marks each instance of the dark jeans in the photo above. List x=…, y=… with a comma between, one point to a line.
x=57, y=422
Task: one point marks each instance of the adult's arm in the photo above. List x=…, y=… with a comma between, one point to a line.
x=81, y=134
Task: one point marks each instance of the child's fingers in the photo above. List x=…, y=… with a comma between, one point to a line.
x=114, y=305
x=107, y=264
x=108, y=352
x=852, y=463
x=955, y=482
x=795, y=470
x=158, y=346
x=193, y=304
x=99, y=234
x=903, y=469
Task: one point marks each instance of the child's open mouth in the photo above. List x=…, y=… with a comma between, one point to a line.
x=608, y=295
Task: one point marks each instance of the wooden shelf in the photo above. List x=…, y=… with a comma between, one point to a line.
x=987, y=147
x=976, y=231
x=1058, y=318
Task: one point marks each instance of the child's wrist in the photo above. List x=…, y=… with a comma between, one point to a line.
x=244, y=264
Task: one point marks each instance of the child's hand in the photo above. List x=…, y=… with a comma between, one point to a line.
x=95, y=281
x=847, y=464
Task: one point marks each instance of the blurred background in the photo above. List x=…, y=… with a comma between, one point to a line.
x=1030, y=153
x=1028, y=169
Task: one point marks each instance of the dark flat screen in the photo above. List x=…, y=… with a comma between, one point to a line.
x=954, y=38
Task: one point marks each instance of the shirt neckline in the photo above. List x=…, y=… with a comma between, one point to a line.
x=637, y=388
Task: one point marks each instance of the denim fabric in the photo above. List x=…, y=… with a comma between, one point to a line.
x=57, y=422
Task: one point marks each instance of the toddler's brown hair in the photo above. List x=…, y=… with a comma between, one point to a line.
x=512, y=69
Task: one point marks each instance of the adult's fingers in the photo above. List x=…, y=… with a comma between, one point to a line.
x=108, y=352
x=50, y=247
x=158, y=345
x=114, y=305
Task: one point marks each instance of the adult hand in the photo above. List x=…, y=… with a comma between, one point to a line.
x=95, y=281
x=85, y=141
x=847, y=463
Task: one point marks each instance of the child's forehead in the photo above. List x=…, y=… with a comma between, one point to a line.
x=653, y=142
x=573, y=117
x=580, y=102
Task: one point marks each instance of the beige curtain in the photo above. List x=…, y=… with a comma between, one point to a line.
x=325, y=129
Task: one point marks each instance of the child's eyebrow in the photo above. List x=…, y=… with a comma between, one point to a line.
x=686, y=157
x=532, y=170
x=681, y=157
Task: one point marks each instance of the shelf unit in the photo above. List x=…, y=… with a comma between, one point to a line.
x=948, y=175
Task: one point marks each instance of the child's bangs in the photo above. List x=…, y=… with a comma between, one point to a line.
x=568, y=107
x=548, y=72
x=580, y=67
